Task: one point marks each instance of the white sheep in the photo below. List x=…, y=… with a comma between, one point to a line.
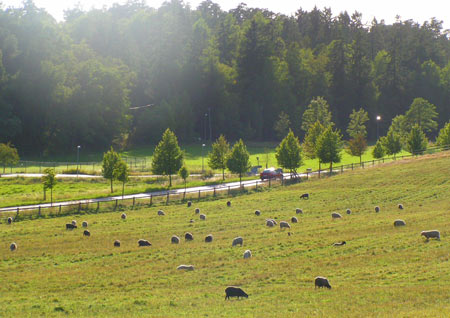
x=336, y=215
x=161, y=212
x=237, y=240
x=209, y=238
x=10, y=220
x=202, y=217
x=349, y=211
x=399, y=223
x=197, y=211
x=84, y=224
x=175, y=239
x=257, y=212
x=247, y=254
x=431, y=234
x=400, y=206
x=123, y=216
x=299, y=211
x=13, y=247
x=186, y=267
x=74, y=222
x=284, y=224
x=269, y=223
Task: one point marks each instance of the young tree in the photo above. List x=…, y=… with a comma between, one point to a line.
x=417, y=142
x=167, y=157
x=122, y=173
x=288, y=153
x=391, y=143
x=444, y=136
x=238, y=160
x=329, y=146
x=378, y=150
x=317, y=111
x=49, y=182
x=310, y=141
x=217, y=158
x=109, y=165
x=422, y=113
x=400, y=127
x=184, y=174
x=357, y=146
x=356, y=126
x=282, y=125
x=8, y=155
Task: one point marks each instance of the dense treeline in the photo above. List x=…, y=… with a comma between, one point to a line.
x=206, y=71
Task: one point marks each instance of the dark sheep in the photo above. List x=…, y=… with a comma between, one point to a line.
x=294, y=219
x=10, y=220
x=86, y=233
x=123, y=216
x=399, y=223
x=188, y=236
x=257, y=212
x=189, y=203
x=161, y=212
x=299, y=211
x=234, y=292
x=400, y=206
x=304, y=196
x=237, y=240
x=70, y=226
x=377, y=209
x=197, y=210
x=142, y=242
x=321, y=282
x=228, y=203
x=84, y=224
x=339, y=243
x=116, y=243
x=13, y=247
x=349, y=211
x=74, y=222
x=209, y=238
x=175, y=239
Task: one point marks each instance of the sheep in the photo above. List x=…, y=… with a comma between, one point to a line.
x=228, y=203
x=269, y=223
x=84, y=224
x=188, y=236
x=273, y=221
x=431, y=234
x=191, y=221
x=74, y=222
x=247, y=254
x=86, y=233
x=257, y=213
x=377, y=209
x=116, y=243
x=70, y=226
x=284, y=224
x=189, y=203
x=232, y=291
x=304, y=196
x=349, y=211
x=299, y=211
x=175, y=239
x=336, y=215
x=294, y=219
x=339, y=243
x=399, y=223
x=237, y=240
x=161, y=212
x=400, y=206
x=13, y=247
x=10, y=220
x=209, y=238
x=202, y=217
x=186, y=267
x=321, y=282
x=123, y=216
x=197, y=210
x=142, y=242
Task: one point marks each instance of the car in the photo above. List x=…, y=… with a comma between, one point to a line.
x=271, y=173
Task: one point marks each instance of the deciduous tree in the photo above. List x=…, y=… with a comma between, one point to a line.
x=392, y=143
x=8, y=155
x=317, y=111
x=378, y=150
x=417, y=142
x=49, y=182
x=109, y=164
x=288, y=153
x=217, y=158
x=329, y=146
x=444, y=136
x=239, y=159
x=184, y=174
x=122, y=173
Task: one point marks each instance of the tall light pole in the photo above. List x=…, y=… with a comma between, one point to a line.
x=204, y=127
x=378, y=120
x=210, y=129
x=78, y=157
x=203, y=169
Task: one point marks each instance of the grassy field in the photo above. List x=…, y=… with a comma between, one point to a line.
x=382, y=271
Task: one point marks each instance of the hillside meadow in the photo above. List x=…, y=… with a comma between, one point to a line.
x=382, y=271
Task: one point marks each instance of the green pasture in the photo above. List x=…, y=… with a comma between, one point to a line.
x=382, y=271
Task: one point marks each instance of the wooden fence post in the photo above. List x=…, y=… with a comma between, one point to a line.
x=228, y=190
x=59, y=212
x=151, y=199
x=79, y=206
x=134, y=201
x=117, y=201
x=270, y=181
x=256, y=186
x=39, y=213
x=352, y=165
x=98, y=206
x=198, y=195
x=184, y=194
x=167, y=200
x=214, y=194
x=342, y=169
x=17, y=213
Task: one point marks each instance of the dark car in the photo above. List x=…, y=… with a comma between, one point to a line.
x=271, y=173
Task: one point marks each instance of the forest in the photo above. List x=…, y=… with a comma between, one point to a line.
x=205, y=72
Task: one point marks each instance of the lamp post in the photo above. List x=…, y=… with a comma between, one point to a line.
x=378, y=120
x=203, y=170
x=78, y=157
x=257, y=158
x=204, y=127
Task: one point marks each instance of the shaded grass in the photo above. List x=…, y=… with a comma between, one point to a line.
x=382, y=271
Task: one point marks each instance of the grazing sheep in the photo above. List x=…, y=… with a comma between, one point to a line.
x=175, y=239
x=188, y=236
x=186, y=267
x=234, y=292
x=336, y=215
x=237, y=240
x=209, y=238
x=349, y=211
x=431, y=234
x=197, y=210
x=294, y=219
x=202, y=217
x=191, y=221
x=161, y=212
x=228, y=203
x=299, y=211
x=123, y=216
x=304, y=196
x=339, y=243
x=284, y=224
x=247, y=254
x=84, y=224
x=321, y=282
x=400, y=206
x=399, y=223
x=377, y=209
x=273, y=221
x=116, y=243
x=142, y=242
x=74, y=222
x=189, y=203
x=70, y=226
x=270, y=223
x=10, y=220
x=13, y=247
x=257, y=212
x=86, y=233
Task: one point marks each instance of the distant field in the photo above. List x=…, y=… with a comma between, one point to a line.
x=382, y=271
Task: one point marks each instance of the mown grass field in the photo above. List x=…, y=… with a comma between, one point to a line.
x=382, y=271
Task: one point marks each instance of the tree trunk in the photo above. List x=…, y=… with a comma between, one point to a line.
x=240, y=180
x=331, y=168
x=112, y=190
x=44, y=194
x=170, y=180
x=51, y=196
x=123, y=188
x=223, y=174
x=360, y=160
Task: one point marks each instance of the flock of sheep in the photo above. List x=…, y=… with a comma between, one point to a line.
x=236, y=291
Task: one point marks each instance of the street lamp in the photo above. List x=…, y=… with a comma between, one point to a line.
x=203, y=170
x=204, y=126
x=378, y=120
x=78, y=157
